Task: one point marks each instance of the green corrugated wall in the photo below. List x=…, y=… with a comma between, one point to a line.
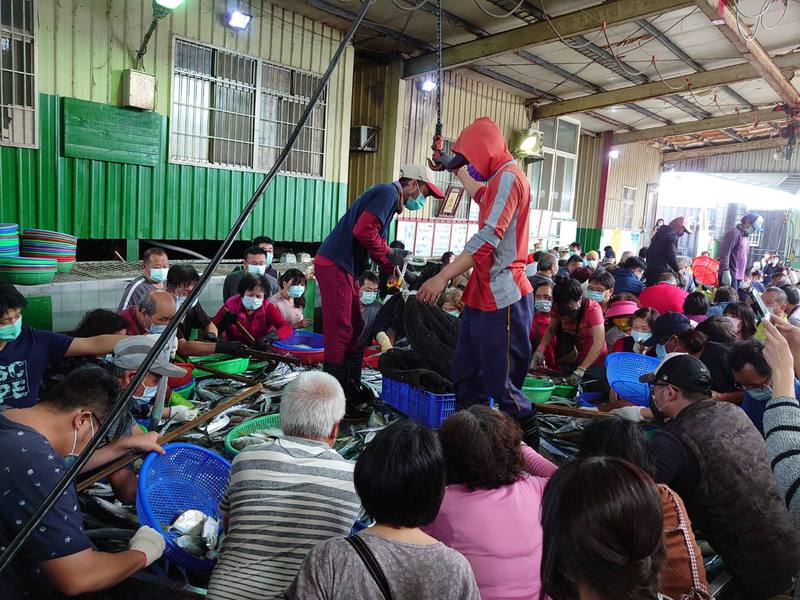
x=589, y=238
x=98, y=199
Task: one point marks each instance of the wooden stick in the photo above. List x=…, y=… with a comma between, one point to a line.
x=549, y=408
x=223, y=374
x=178, y=431
x=284, y=358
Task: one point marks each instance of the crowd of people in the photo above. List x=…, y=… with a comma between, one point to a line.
x=474, y=510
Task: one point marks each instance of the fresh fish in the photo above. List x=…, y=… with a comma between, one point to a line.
x=220, y=422
x=189, y=523
x=190, y=544
x=247, y=440
x=100, y=489
x=115, y=508
x=210, y=533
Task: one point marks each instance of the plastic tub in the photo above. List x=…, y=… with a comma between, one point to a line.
x=176, y=382
x=27, y=278
x=186, y=477
x=220, y=362
x=565, y=391
x=251, y=426
x=422, y=406
x=307, y=346
x=537, y=390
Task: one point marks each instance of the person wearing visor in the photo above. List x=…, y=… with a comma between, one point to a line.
x=341, y=259
x=493, y=350
x=38, y=444
x=725, y=478
x=662, y=254
x=735, y=248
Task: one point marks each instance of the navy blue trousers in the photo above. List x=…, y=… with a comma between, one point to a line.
x=492, y=357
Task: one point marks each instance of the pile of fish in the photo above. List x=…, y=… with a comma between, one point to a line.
x=199, y=534
x=256, y=437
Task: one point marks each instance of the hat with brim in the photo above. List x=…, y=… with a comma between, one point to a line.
x=666, y=326
x=622, y=309
x=423, y=174
x=129, y=354
x=684, y=371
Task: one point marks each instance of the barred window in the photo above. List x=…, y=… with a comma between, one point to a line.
x=628, y=207
x=18, y=102
x=236, y=111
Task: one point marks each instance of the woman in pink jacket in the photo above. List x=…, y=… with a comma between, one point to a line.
x=491, y=506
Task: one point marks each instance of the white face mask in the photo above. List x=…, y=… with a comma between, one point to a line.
x=256, y=269
x=251, y=302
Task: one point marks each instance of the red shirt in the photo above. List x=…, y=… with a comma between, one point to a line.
x=592, y=316
x=249, y=328
x=540, y=323
x=132, y=326
x=663, y=297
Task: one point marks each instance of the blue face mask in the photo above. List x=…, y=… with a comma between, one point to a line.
x=251, y=302
x=157, y=329
x=454, y=313
x=368, y=297
x=147, y=395
x=594, y=295
x=256, y=269
x=295, y=291
x=661, y=351
x=8, y=333
x=70, y=458
x=543, y=305
x=760, y=394
x=641, y=336
x=415, y=203
x=158, y=275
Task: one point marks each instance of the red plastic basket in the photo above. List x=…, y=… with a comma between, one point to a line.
x=705, y=269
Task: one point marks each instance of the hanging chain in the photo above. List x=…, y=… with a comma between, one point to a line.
x=439, y=68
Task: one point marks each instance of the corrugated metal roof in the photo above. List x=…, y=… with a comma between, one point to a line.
x=754, y=161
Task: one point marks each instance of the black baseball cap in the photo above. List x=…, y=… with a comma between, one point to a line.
x=683, y=371
x=666, y=326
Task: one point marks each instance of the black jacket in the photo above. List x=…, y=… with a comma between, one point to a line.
x=662, y=255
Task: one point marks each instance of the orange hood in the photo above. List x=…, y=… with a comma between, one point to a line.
x=482, y=144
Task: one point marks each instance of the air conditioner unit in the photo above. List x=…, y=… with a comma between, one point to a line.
x=363, y=138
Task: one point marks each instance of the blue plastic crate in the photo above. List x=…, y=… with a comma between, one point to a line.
x=424, y=407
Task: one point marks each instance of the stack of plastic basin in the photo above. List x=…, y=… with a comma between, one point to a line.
x=27, y=271
x=9, y=239
x=41, y=243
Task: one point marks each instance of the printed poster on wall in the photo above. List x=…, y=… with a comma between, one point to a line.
x=458, y=238
x=472, y=229
x=406, y=231
x=424, y=244
x=441, y=239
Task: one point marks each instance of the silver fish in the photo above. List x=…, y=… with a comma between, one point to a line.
x=247, y=440
x=116, y=509
x=100, y=489
x=190, y=544
x=210, y=533
x=189, y=523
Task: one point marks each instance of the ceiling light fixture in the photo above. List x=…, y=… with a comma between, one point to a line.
x=239, y=20
x=428, y=85
x=613, y=154
x=161, y=8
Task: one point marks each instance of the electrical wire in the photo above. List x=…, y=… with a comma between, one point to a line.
x=664, y=81
x=496, y=16
x=611, y=50
x=560, y=37
x=783, y=16
x=410, y=8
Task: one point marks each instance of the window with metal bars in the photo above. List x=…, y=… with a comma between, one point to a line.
x=233, y=110
x=628, y=207
x=18, y=101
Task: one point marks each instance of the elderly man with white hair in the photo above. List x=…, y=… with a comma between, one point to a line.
x=287, y=495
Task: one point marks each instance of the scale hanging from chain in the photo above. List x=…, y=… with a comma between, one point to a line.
x=438, y=137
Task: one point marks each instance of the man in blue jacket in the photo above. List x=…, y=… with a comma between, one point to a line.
x=628, y=277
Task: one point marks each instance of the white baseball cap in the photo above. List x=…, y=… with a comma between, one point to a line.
x=421, y=173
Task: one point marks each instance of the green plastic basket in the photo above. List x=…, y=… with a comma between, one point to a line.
x=251, y=426
x=220, y=362
x=537, y=390
x=65, y=267
x=565, y=391
x=28, y=278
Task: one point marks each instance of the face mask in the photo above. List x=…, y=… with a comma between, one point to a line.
x=270, y=255
x=158, y=275
x=640, y=336
x=295, y=291
x=251, y=302
x=592, y=264
x=8, y=333
x=543, y=305
x=368, y=297
x=760, y=394
x=148, y=394
x=658, y=416
x=595, y=295
x=572, y=252
x=416, y=203
x=748, y=230
x=661, y=351
x=256, y=269
x=70, y=458
x=157, y=329
x=454, y=313
x=475, y=174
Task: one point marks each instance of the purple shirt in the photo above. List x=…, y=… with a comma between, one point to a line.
x=733, y=253
x=499, y=531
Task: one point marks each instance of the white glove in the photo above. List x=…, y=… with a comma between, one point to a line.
x=725, y=278
x=537, y=360
x=629, y=413
x=576, y=376
x=149, y=542
x=181, y=413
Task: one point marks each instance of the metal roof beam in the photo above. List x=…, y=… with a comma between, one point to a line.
x=723, y=149
x=654, y=133
x=726, y=20
x=570, y=24
x=656, y=89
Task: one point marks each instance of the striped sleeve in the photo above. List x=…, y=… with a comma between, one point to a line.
x=503, y=209
x=782, y=434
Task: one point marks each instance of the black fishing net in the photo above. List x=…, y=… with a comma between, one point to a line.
x=432, y=335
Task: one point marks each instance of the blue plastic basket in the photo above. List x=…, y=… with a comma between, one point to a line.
x=186, y=477
x=424, y=407
x=623, y=370
x=308, y=356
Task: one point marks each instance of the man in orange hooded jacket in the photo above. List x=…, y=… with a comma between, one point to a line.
x=493, y=351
